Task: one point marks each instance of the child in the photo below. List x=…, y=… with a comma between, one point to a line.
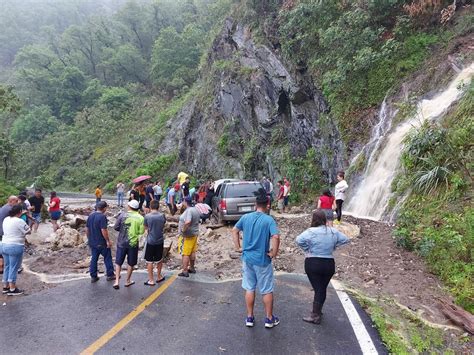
x=340, y=194
x=326, y=204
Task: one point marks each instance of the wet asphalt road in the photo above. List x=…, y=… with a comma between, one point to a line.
x=188, y=317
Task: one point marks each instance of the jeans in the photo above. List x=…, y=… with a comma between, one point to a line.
x=107, y=254
x=254, y=276
x=319, y=272
x=120, y=198
x=158, y=197
x=97, y=200
x=12, y=258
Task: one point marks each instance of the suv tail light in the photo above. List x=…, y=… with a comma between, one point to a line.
x=223, y=205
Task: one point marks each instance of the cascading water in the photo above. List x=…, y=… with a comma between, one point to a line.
x=371, y=195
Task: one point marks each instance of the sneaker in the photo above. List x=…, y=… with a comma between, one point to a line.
x=249, y=322
x=15, y=292
x=270, y=323
x=110, y=278
x=5, y=290
x=336, y=222
x=94, y=279
x=192, y=270
x=184, y=274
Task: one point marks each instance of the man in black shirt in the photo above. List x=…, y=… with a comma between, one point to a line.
x=37, y=202
x=185, y=187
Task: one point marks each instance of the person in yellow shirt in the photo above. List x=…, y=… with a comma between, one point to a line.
x=182, y=177
x=98, y=195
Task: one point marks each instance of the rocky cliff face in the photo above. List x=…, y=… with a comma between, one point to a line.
x=254, y=111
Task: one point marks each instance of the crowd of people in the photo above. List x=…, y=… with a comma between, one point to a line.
x=255, y=236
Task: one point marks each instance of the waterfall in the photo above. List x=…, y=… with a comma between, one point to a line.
x=371, y=195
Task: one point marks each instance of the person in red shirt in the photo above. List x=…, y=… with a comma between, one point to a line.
x=327, y=204
x=54, y=210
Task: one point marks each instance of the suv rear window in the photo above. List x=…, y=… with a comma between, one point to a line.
x=242, y=190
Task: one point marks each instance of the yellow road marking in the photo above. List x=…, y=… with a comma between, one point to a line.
x=104, y=339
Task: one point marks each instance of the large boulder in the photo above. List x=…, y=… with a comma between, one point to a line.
x=349, y=229
x=74, y=221
x=66, y=237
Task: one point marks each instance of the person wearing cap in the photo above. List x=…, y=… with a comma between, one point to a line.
x=260, y=244
x=188, y=229
x=130, y=225
x=99, y=242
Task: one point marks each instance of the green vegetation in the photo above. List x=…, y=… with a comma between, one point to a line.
x=437, y=220
x=94, y=84
x=401, y=330
x=357, y=50
x=304, y=174
x=6, y=190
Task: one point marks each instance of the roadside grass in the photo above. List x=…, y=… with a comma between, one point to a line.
x=403, y=331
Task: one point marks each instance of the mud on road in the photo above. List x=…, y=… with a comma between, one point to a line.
x=371, y=264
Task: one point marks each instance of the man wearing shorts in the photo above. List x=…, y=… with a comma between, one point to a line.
x=154, y=225
x=130, y=226
x=260, y=244
x=188, y=229
x=37, y=202
x=99, y=242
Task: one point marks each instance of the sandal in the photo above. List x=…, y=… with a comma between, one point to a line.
x=148, y=283
x=116, y=287
x=130, y=284
x=161, y=280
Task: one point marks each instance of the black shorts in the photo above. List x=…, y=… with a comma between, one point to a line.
x=147, y=203
x=153, y=253
x=130, y=253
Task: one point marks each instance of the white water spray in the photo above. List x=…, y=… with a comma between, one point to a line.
x=371, y=196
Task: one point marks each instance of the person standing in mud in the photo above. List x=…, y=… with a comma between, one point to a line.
x=318, y=243
x=171, y=199
x=326, y=203
x=99, y=242
x=141, y=188
x=340, y=194
x=37, y=202
x=98, y=195
x=13, y=246
x=188, y=229
x=260, y=244
x=4, y=211
x=120, y=193
x=130, y=226
x=54, y=210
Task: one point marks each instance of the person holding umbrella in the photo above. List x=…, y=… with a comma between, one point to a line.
x=140, y=186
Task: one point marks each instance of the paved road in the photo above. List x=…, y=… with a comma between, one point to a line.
x=184, y=316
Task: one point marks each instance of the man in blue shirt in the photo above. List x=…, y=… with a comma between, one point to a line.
x=99, y=242
x=260, y=245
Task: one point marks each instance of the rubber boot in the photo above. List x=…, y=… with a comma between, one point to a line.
x=315, y=316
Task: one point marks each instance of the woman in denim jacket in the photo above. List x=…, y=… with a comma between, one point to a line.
x=318, y=242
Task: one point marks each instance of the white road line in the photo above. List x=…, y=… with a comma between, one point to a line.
x=365, y=341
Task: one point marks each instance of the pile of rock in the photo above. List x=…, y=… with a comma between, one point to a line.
x=66, y=237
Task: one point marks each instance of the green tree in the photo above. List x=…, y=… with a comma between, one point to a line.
x=34, y=125
x=175, y=57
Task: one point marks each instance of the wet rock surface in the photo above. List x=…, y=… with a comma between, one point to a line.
x=255, y=95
